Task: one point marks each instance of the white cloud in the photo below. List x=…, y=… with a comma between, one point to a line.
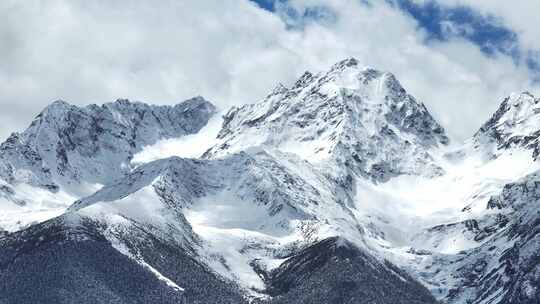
x=230, y=52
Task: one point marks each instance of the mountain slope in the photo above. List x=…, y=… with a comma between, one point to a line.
x=487, y=252
x=514, y=276
x=336, y=271
x=245, y=207
x=82, y=259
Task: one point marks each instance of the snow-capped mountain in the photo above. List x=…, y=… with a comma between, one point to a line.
x=346, y=116
x=339, y=189
x=496, y=241
x=481, y=252
x=238, y=218
x=515, y=124
x=69, y=152
x=67, y=145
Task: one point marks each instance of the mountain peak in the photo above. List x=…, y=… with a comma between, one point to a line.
x=525, y=95
x=94, y=144
x=515, y=123
x=122, y=101
x=197, y=102
x=60, y=103
x=57, y=107
x=341, y=115
x=516, y=107
x=348, y=62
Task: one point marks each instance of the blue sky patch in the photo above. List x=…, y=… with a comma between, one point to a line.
x=265, y=4
x=439, y=22
x=444, y=23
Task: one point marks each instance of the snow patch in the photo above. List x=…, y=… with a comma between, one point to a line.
x=188, y=146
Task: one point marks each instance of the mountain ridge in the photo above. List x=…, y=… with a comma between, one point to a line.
x=341, y=180
x=70, y=151
x=340, y=115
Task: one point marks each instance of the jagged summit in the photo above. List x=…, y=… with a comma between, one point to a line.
x=327, y=191
x=344, y=115
x=513, y=111
x=63, y=105
x=516, y=123
x=70, y=145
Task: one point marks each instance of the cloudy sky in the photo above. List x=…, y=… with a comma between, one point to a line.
x=460, y=57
